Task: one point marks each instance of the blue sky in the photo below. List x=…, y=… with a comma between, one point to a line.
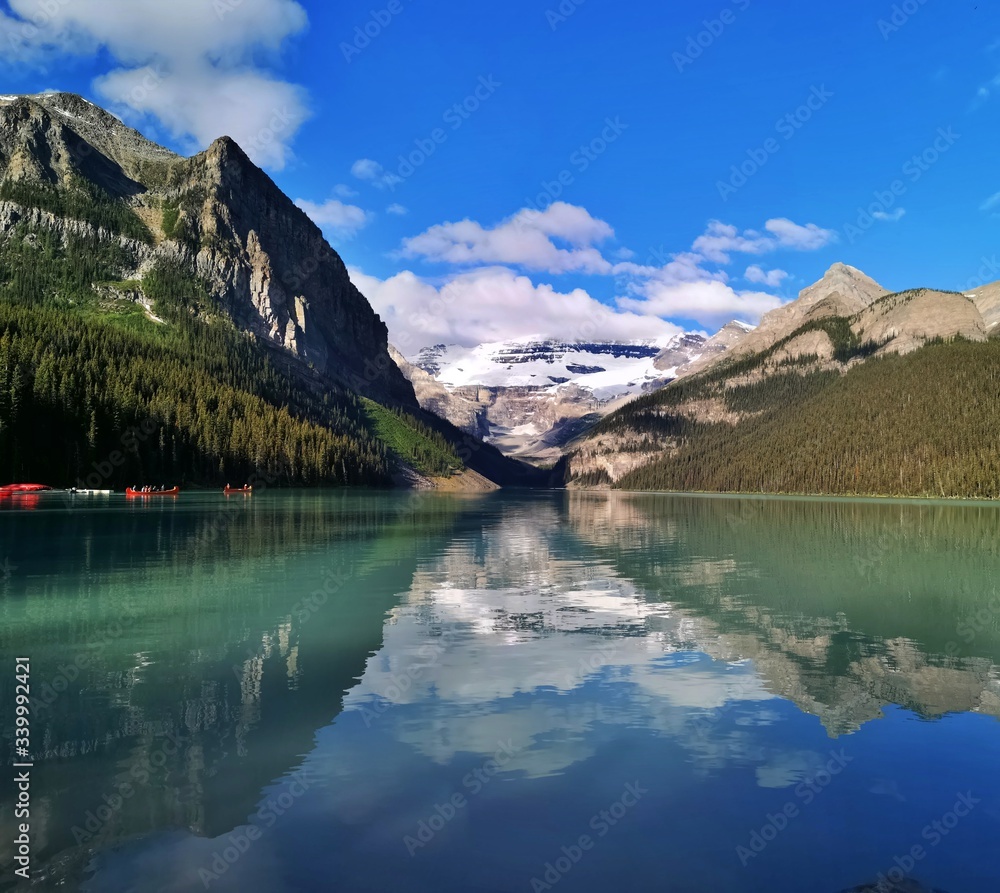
x=574, y=167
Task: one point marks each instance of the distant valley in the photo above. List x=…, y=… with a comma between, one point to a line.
x=532, y=397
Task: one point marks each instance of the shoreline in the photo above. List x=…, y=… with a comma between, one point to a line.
x=800, y=497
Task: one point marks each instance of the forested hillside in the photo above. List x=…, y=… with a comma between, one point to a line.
x=181, y=321
x=923, y=424
x=84, y=377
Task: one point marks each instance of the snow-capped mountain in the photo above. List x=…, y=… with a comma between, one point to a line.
x=530, y=397
x=607, y=370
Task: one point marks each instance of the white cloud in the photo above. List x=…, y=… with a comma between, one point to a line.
x=685, y=266
x=711, y=302
x=801, y=238
x=335, y=217
x=366, y=169
x=720, y=240
x=372, y=172
x=262, y=115
x=397, y=210
x=887, y=217
x=759, y=276
x=496, y=304
x=342, y=190
x=493, y=303
x=986, y=91
x=524, y=240
x=200, y=68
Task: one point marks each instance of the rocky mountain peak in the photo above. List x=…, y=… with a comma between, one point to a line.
x=54, y=138
x=225, y=152
x=735, y=327
x=855, y=287
x=261, y=258
x=70, y=118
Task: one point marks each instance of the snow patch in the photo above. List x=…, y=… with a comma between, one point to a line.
x=608, y=370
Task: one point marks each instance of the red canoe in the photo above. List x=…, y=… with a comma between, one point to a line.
x=246, y=489
x=139, y=493
x=25, y=488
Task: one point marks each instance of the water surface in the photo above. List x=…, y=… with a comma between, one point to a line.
x=583, y=692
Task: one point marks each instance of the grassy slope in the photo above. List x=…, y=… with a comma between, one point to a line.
x=413, y=442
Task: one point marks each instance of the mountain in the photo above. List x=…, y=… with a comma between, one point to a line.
x=842, y=291
x=987, y=301
x=264, y=260
x=188, y=296
x=847, y=390
x=710, y=350
x=531, y=397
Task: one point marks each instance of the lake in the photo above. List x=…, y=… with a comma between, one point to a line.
x=404, y=692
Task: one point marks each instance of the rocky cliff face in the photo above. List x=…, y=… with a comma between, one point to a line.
x=907, y=321
x=218, y=215
x=843, y=291
x=987, y=301
x=681, y=352
x=469, y=415
x=713, y=349
x=53, y=137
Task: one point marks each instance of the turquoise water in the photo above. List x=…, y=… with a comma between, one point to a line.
x=581, y=692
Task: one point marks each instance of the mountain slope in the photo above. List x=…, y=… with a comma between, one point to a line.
x=842, y=291
x=898, y=398
x=139, y=289
x=63, y=161
x=924, y=424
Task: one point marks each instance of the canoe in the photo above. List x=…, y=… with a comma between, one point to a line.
x=25, y=488
x=228, y=489
x=140, y=494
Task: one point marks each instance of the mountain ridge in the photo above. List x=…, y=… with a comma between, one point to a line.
x=529, y=396
x=804, y=404
x=205, y=262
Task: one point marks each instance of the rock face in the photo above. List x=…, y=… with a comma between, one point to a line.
x=715, y=347
x=907, y=321
x=843, y=291
x=681, y=352
x=263, y=260
x=54, y=136
x=987, y=301
x=529, y=398
x=469, y=415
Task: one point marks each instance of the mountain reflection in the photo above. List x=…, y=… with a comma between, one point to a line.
x=555, y=626
x=692, y=606
x=844, y=607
